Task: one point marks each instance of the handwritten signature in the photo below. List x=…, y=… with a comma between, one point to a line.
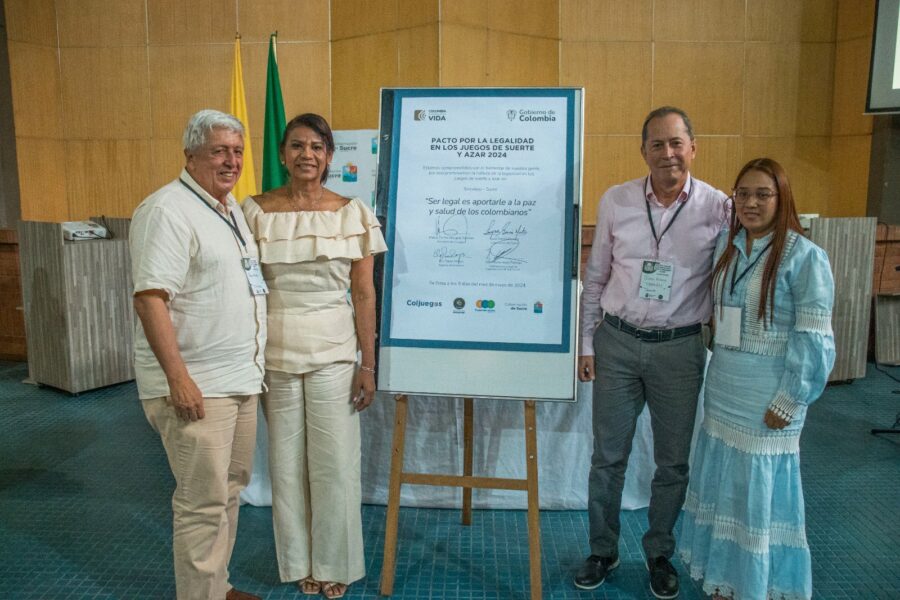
x=506, y=232
x=500, y=252
x=454, y=228
x=449, y=256
x=505, y=240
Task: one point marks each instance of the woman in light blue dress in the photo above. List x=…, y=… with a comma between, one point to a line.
x=744, y=531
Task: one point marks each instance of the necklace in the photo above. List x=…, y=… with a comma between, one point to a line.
x=296, y=201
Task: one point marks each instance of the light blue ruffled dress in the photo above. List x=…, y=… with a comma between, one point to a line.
x=744, y=531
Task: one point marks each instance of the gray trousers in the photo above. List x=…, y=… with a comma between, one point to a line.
x=667, y=376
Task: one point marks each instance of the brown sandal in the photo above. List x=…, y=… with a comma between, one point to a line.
x=333, y=590
x=309, y=586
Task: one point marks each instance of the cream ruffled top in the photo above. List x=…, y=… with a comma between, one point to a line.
x=306, y=258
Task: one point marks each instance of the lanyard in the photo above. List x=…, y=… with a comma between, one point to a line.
x=734, y=281
x=675, y=216
x=232, y=225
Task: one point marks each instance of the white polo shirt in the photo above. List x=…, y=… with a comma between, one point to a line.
x=181, y=242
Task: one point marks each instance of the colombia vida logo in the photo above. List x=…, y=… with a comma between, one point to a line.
x=429, y=115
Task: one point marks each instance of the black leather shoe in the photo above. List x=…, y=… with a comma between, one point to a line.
x=663, y=578
x=594, y=571
x=234, y=594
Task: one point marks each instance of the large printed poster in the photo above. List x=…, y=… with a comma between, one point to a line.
x=353, y=168
x=480, y=220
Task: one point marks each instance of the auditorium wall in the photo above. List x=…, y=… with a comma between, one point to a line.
x=102, y=88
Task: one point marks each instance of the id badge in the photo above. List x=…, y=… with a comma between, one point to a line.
x=656, y=280
x=254, y=276
x=728, y=327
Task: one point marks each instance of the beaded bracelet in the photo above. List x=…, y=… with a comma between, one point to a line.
x=367, y=369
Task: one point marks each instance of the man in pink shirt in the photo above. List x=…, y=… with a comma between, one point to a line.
x=646, y=295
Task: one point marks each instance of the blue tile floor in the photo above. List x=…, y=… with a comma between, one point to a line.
x=85, y=512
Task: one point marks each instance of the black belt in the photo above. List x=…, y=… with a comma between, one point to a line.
x=651, y=335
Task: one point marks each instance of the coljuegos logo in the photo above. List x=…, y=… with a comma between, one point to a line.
x=485, y=304
x=424, y=303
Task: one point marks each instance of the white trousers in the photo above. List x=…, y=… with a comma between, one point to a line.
x=211, y=460
x=314, y=463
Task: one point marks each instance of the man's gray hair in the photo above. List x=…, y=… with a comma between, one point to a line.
x=663, y=111
x=201, y=124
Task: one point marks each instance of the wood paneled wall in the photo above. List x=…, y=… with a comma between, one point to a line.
x=851, y=130
x=35, y=79
x=102, y=88
x=500, y=43
x=756, y=77
x=12, y=320
x=375, y=44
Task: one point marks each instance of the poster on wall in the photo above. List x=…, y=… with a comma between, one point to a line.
x=354, y=165
x=481, y=211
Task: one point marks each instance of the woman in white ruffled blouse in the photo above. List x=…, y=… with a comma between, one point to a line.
x=314, y=245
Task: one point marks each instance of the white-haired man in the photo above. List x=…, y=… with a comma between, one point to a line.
x=199, y=346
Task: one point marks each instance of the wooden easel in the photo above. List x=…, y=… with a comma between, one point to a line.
x=466, y=481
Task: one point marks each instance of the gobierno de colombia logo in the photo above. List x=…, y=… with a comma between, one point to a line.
x=524, y=114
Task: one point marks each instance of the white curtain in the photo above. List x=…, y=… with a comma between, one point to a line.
x=434, y=436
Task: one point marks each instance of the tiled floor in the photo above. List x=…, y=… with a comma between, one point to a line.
x=85, y=513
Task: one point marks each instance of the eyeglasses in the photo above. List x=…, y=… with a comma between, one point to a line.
x=743, y=195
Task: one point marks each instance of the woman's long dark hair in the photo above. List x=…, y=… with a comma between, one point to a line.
x=785, y=220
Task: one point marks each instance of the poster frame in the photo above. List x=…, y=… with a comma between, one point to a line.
x=460, y=354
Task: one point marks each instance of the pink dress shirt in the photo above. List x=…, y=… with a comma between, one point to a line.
x=623, y=239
